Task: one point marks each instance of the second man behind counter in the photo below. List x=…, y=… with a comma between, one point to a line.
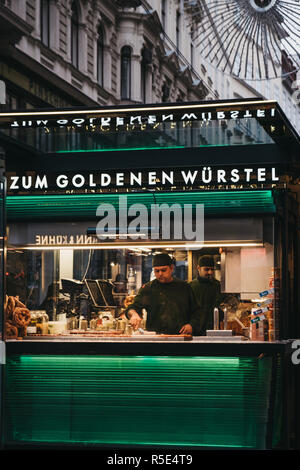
x=207, y=292
x=170, y=303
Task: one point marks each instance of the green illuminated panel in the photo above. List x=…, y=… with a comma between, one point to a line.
x=85, y=205
x=194, y=401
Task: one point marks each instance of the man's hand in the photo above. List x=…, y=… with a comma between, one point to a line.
x=134, y=319
x=186, y=329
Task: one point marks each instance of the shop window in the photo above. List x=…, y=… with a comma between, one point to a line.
x=45, y=22
x=125, y=73
x=100, y=55
x=68, y=278
x=74, y=34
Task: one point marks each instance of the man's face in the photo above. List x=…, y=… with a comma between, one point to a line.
x=206, y=271
x=163, y=273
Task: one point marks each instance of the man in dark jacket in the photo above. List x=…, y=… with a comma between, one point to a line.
x=207, y=292
x=170, y=303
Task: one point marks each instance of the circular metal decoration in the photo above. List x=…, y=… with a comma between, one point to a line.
x=249, y=39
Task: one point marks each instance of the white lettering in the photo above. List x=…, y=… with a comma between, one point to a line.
x=106, y=226
x=62, y=181
x=151, y=119
x=296, y=354
x=91, y=181
x=105, y=179
x=189, y=176
x=41, y=183
x=135, y=118
x=189, y=117
x=248, y=171
x=26, y=184
x=170, y=117
x=80, y=182
x=152, y=177
x=198, y=233
x=123, y=222
x=166, y=224
x=14, y=185
x=78, y=122
x=260, y=113
x=261, y=174
x=274, y=177
x=136, y=179
x=120, y=179
x=234, y=114
x=221, y=176
x=138, y=226
x=206, y=117
x=169, y=177
x=105, y=121
x=235, y=175
x=119, y=121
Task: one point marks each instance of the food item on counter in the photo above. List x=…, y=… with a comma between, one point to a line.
x=235, y=327
x=259, y=330
x=121, y=324
x=128, y=330
x=93, y=324
x=83, y=324
x=21, y=317
x=271, y=335
x=11, y=331
x=18, y=317
x=245, y=320
x=57, y=327
x=96, y=333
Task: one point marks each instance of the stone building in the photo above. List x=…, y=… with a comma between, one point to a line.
x=65, y=53
x=97, y=52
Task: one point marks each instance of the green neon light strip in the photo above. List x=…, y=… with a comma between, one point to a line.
x=121, y=149
x=184, y=401
x=144, y=148
x=84, y=206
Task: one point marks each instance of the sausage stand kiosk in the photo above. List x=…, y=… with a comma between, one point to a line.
x=73, y=372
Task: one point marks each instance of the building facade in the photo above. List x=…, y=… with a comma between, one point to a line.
x=92, y=52
x=105, y=52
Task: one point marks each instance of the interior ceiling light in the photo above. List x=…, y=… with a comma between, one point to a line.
x=137, y=247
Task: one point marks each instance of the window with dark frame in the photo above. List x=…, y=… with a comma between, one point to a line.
x=163, y=13
x=126, y=73
x=146, y=60
x=45, y=22
x=192, y=46
x=100, y=55
x=74, y=34
x=178, y=26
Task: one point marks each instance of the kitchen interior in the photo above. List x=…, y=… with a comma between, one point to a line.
x=82, y=291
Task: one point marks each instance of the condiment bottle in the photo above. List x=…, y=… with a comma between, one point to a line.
x=216, y=318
